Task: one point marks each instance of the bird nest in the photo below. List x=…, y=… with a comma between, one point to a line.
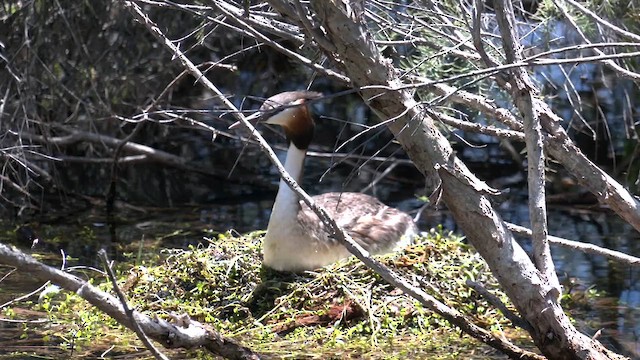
x=345, y=307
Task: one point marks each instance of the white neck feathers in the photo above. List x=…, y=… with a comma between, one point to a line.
x=286, y=204
x=284, y=241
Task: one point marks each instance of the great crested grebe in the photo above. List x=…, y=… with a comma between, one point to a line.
x=296, y=239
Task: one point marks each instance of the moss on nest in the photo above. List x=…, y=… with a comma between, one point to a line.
x=345, y=307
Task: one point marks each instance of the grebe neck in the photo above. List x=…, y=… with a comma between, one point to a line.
x=286, y=203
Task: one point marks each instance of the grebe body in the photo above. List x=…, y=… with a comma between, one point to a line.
x=296, y=239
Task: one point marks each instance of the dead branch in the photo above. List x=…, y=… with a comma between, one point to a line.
x=561, y=148
x=495, y=301
x=143, y=152
x=190, y=336
x=102, y=254
x=236, y=14
x=523, y=94
x=609, y=62
x=463, y=193
x=478, y=128
x=584, y=247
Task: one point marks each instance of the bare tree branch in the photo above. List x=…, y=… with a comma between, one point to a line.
x=523, y=92
x=602, y=21
x=463, y=193
x=188, y=337
x=495, y=301
x=609, y=62
x=586, y=248
x=102, y=254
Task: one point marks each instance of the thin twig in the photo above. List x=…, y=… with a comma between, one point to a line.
x=102, y=254
x=477, y=128
x=586, y=248
x=609, y=62
x=495, y=301
x=603, y=22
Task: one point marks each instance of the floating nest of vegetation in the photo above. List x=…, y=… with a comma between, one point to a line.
x=341, y=311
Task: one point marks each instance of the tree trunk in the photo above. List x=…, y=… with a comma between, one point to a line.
x=466, y=196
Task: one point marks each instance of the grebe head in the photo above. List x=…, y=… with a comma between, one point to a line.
x=288, y=110
x=293, y=115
